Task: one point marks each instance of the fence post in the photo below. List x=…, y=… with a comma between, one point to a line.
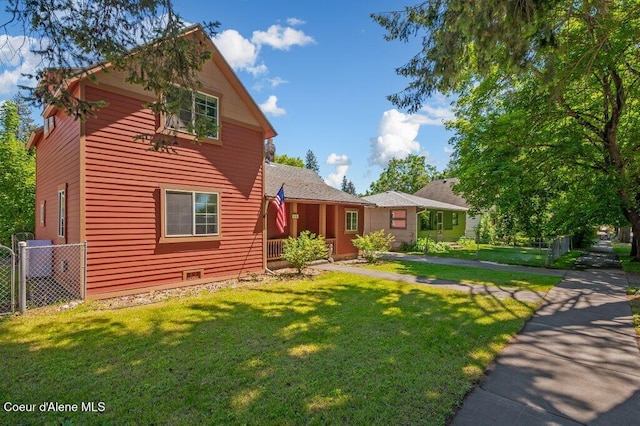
x=22, y=283
x=84, y=271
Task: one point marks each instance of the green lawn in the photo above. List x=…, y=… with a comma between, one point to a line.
x=623, y=251
x=471, y=275
x=335, y=349
x=500, y=254
x=634, y=301
x=525, y=256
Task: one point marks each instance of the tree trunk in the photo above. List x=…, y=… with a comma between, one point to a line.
x=634, y=248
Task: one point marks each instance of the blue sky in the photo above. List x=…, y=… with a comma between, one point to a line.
x=321, y=72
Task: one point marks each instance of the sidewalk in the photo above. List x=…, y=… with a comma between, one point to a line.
x=576, y=362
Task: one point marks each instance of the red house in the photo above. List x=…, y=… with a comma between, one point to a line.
x=155, y=220
x=312, y=205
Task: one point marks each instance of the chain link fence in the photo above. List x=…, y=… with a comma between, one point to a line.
x=51, y=274
x=7, y=280
x=557, y=247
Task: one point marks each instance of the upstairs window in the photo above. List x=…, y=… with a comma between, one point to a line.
x=49, y=125
x=198, y=112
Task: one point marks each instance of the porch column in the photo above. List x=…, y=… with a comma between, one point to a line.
x=323, y=220
x=293, y=224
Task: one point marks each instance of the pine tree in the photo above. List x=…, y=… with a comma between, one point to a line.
x=311, y=162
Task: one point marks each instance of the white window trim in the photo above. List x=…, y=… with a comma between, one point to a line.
x=193, y=107
x=62, y=212
x=347, y=222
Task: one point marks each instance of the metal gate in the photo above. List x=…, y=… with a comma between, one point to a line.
x=7, y=280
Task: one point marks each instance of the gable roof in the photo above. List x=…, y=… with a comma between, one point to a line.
x=442, y=190
x=400, y=199
x=195, y=30
x=303, y=185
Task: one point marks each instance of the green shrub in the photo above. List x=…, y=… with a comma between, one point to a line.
x=427, y=245
x=487, y=230
x=299, y=252
x=467, y=242
x=373, y=244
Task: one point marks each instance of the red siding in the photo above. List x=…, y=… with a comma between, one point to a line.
x=123, y=180
x=58, y=163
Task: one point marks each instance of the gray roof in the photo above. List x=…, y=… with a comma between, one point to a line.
x=303, y=185
x=442, y=190
x=400, y=199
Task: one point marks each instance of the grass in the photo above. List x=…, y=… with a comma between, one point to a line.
x=471, y=275
x=628, y=265
x=634, y=301
x=567, y=260
x=500, y=254
x=335, y=349
x=525, y=256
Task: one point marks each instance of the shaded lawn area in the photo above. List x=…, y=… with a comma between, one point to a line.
x=525, y=256
x=335, y=349
x=634, y=301
x=471, y=275
x=623, y=250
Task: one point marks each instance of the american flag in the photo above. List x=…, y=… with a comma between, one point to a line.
x=281, y=215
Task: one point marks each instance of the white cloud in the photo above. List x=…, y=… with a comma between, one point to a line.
x=240, y=52
x=341, y=164
x=448, y=150
x=295, y=22
x=275, y=82
x=396, y=136
x=281, y=38
x=270, y=107
x=437, y=115
x=16, y=59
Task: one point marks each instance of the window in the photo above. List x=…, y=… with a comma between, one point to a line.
x=49, y=125
x=198, y=113
x=454, y=218
x=398, y=219
x=190, y=213
x=61, y=212
x=43, y=212
x=351, y=221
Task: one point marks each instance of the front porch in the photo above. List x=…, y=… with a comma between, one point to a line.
x=325, y=219
x=274, y=248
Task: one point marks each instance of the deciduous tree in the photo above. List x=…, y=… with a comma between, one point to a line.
x=17, y=177
x=550, y=88
x=404, y=175
x=289, y=161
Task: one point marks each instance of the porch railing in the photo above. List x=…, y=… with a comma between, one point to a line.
x=274, y=248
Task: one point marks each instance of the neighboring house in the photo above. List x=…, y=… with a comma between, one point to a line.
x=442, y=190
x=155, y=220
x=312, y=205
x=408, y=217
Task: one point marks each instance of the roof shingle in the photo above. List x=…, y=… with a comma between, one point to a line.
x=303, y=185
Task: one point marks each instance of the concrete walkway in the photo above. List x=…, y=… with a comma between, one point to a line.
x=576, y=362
